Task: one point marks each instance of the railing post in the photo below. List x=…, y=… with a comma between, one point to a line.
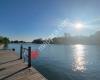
x=21, y=51
x=29, y=56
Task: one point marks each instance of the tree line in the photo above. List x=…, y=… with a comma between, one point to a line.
x=4, y=40
x=67, y=39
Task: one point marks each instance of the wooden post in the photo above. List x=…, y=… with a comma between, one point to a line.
x=21, y=51
x=29, y=56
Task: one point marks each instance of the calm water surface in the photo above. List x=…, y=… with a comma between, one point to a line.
x=66, y=62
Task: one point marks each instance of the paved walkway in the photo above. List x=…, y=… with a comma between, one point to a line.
x=12, y=68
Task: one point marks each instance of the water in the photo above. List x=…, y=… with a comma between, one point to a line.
x=66, y=62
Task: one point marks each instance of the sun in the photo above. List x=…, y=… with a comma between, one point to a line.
x=78, y=25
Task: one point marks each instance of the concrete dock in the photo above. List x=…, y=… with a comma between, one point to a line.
x=13, y=68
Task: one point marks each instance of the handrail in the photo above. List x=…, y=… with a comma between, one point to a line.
x=25, y=49
x=29, y=54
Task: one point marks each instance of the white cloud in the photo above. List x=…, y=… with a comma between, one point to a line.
x=65, y=23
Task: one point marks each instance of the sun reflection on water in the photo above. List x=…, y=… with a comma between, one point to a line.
x=79, y=58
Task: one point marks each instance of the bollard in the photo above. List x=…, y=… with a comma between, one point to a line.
x=21, y=51
x=29, y=56
x=13, y=49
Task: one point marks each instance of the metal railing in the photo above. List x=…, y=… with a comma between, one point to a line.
x=29, y=54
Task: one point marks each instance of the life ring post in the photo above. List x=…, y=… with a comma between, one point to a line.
x=29, y=56
x=21, y=51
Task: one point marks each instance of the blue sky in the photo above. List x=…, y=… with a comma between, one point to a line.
x=29, y=19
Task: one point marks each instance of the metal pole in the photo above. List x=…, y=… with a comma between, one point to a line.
x=29, y=56
x=21, y=51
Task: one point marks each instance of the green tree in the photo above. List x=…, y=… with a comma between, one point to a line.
x=4, y=40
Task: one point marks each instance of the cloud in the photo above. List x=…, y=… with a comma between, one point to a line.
x=95, y=21
x=65, y=23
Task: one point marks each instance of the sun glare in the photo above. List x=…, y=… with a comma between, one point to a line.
x=78, y=25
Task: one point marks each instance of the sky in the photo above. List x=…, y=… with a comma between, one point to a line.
x=30, y=19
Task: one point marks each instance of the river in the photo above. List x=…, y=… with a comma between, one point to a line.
x=66, y=62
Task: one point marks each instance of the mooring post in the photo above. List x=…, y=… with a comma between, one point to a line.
x=29, y=56
x=21, y=51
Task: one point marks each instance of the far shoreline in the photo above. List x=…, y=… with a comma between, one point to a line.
x=53, y=44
